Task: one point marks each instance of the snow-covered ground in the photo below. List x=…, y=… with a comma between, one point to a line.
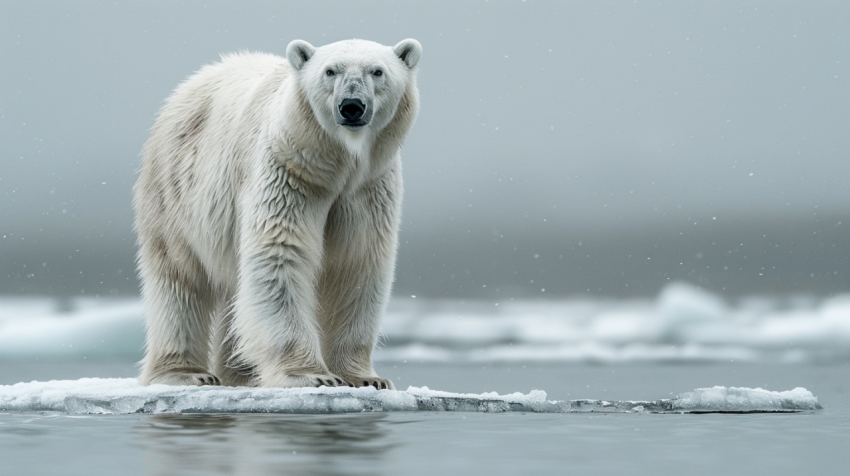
x=683, y=323
x=126, y=396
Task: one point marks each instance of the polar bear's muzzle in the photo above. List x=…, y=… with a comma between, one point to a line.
x=352, y=112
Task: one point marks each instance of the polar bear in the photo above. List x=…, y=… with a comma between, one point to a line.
x=267, y=212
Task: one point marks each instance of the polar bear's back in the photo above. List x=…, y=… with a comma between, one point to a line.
x=193, y=160
x=218, y=93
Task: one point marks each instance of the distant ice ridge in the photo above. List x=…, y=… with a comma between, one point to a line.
x=126, y=396
x=84, y=327
x=683, y=323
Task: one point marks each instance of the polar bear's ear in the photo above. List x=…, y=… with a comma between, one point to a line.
x=299, y=52
x=409, y=51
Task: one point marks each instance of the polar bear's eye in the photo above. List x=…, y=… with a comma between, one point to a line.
x=330, y=72
x=378, y=72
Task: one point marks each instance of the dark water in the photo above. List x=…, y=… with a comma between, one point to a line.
x=425, y=443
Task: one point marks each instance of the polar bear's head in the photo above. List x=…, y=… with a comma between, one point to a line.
x=354, y=86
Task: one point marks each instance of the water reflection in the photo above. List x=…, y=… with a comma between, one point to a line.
x=265, y=444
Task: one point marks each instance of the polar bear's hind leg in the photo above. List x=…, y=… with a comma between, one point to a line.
x=179, y=306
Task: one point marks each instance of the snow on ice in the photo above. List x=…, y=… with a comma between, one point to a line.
x=126, y=396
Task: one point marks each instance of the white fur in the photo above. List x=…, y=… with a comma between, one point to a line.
x=267, y=230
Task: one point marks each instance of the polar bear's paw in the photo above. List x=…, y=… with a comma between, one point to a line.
x=373, y=381
x=186, y=378
x=308, y=380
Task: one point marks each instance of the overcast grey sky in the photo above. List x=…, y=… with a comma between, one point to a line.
x=596, y=135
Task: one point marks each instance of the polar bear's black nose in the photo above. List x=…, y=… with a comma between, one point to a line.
x=352, y=109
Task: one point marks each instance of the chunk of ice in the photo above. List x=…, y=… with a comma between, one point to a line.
x=125, y=396
x=737, y=399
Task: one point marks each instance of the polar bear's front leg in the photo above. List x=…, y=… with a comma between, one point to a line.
x=360, y=247
x=273, y=328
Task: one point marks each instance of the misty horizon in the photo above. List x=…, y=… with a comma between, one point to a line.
x=625, y=146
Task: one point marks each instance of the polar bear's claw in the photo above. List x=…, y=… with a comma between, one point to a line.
x=377, y=382
x=186, y=378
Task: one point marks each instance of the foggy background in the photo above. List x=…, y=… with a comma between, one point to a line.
x=563, y=148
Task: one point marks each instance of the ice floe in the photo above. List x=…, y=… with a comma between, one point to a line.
x=737, y=399
x=126, y=396
x=684, y=323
